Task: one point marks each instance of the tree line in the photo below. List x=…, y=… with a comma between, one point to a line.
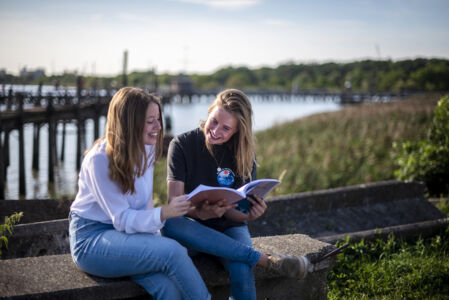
x=420, y=74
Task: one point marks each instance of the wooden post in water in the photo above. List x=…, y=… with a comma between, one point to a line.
x=51, y=142
x=63, y=141
x=2, y=166
x=78, y=122
x=5, y=153
x=36, y=135
x=36, y=132
x=97, y=118
x=66, y=102
x=22, y=184
x=96, y=127
x=54, y=132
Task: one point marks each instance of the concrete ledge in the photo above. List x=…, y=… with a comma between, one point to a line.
x=36, y=210
x=347, y=209
x=40, y=238
x=57, y=277
x=423, y=229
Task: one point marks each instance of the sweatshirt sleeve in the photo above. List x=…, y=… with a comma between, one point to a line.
x=114, y=202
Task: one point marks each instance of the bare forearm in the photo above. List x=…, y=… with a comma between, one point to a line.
x=235, y=215
x=174, y=189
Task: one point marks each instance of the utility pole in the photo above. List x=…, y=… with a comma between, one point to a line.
x=125, y=67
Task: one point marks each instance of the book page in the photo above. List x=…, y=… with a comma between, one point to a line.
x=261, y=187
x=214, y=194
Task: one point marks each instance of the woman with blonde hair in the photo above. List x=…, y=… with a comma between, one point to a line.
x=221, y=153
x=114, y=228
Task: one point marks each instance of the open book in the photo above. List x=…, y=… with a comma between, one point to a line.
x=261, y=188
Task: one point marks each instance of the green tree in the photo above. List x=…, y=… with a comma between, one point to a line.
x=241, y=78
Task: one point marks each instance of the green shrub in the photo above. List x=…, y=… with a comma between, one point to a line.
x=428, y=160
x=8, y=228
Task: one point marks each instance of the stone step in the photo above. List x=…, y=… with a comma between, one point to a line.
x=57, y=277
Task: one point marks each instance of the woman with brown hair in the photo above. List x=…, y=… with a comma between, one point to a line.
x=221, y=153
x=114, y=228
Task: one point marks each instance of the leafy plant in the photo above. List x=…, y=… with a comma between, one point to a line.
x=427, y=160
x=8, y=227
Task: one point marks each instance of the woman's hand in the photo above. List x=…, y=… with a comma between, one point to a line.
x=258, y=207
x=209, y=211
x=178, y=206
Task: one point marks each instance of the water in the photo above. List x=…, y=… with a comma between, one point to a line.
x=183, y=117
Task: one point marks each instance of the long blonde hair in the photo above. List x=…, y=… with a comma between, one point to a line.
x=124, y=135
x=242, y=143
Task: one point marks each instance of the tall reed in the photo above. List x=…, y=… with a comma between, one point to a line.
x=347, y=147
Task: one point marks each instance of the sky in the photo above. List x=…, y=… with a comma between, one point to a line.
x=201, y=36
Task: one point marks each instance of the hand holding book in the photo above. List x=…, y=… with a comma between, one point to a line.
x=261, y=188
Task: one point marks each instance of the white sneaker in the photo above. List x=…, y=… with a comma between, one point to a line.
x=289, y=265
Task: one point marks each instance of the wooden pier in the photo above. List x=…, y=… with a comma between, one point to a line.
x=50, y=110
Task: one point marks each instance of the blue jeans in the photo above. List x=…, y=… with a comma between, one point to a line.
x=233, y=247
x=159, y=264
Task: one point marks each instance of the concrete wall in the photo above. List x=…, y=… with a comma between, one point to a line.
x=345, y=210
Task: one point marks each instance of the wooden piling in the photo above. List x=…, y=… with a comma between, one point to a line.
x=97, y=119
x=22, y=183
x=6, y=159
x=2, y=166
x=78, y=123
x=63, y=141
x=51, y=142
x=54, y=148
x=36, y=136
x=78, y=144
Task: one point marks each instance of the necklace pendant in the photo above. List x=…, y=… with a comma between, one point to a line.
x=225, y=177
x=218, y=170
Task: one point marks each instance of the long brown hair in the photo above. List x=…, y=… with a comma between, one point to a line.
x=124, y=135
x=242, y=143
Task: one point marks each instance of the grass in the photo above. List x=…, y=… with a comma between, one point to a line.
x=393, y=269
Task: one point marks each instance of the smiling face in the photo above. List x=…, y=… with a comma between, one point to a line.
x=220, y=126
x=152, y=124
